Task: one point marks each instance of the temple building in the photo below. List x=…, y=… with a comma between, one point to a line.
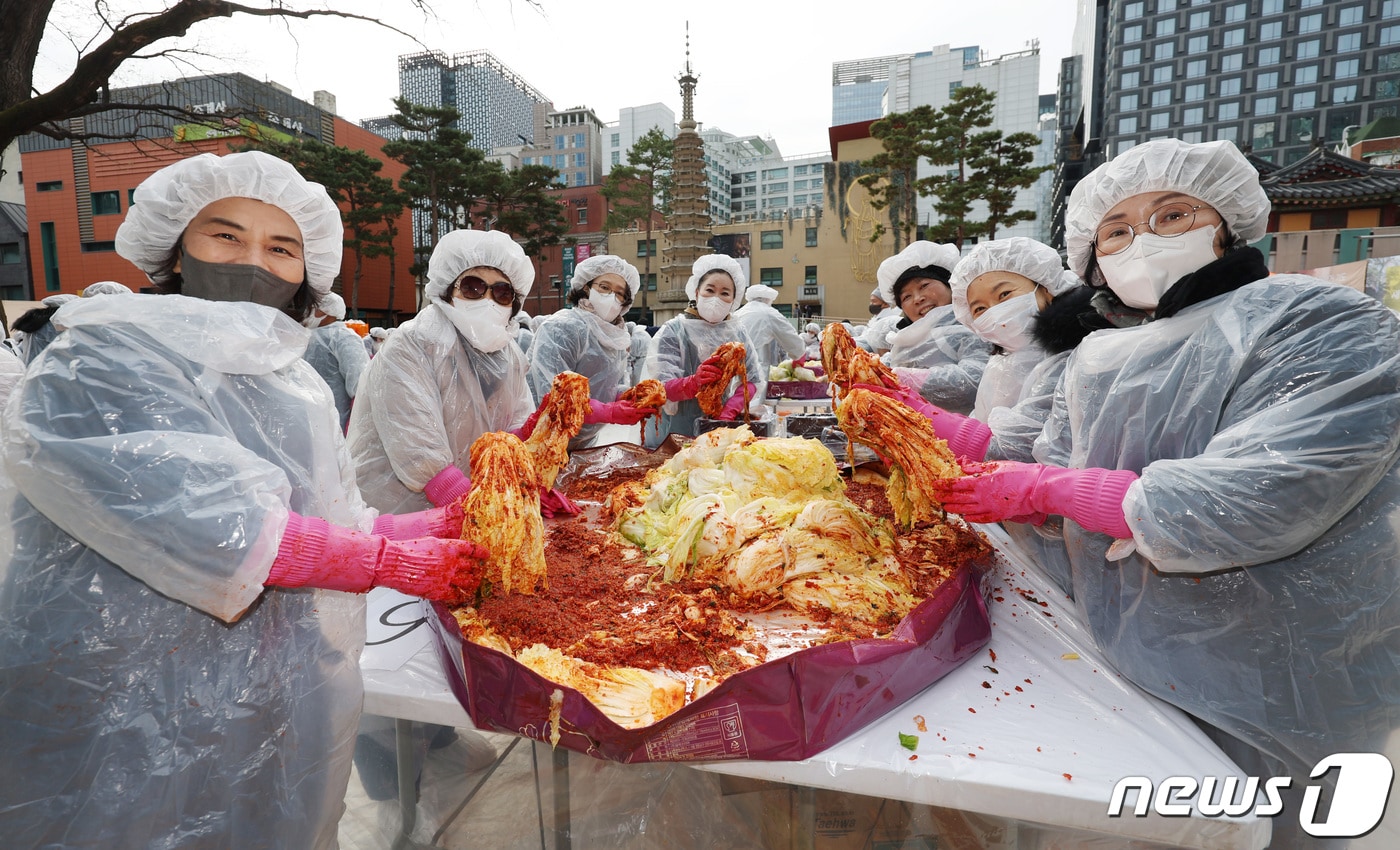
x=689, y=221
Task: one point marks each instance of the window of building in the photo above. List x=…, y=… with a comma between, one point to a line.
x=1344, y=94
x=1227, y=111
x=1200, y=20
x=48, y=240
x=1350, y=16
x=1232, y=38
x=1193, y=136
x=1229, y=87
x=1385, y=87
x=1197, y=44
x=799, y=170
x=1123, y=146
x=1390, y=9
x=1195, y=92
x=616, y=140
x=559, y=143
x=750, y=205
x=771, y=277
x=580, y=178
x=1389, y=35
x=99, y=247
x=1269, y=55
x=530, y=160
x=130, y=197
x=1264, y=134
x=1310, y=23
x=816, y=182
x=809, y=275
x=1159, y=121
x=643, y=250
x=775, y=189
x=1162, y=97
x=1196, y=68
x=799, y=200
x=1194, y=115
x=1161, y=75
x=1164, y=27
x=1305, y=75
x=1266, y=81
x=1301, y=129
x=1227, y=134
x=650, y=281
x=1235, y=12
x=1231, y=62
x=1265, y=105
x=1133, y=11
x=580, y=160
x=1127, y=103
x=582, y=215
x=811, y=237
x=775, y=173
x=10, y=253
x=1129, y=80
x=1132, y=56
x=616, y=158
x=1270, y=31
x=1349, y=42
x=1130, y=34
x=106, y=203
x=1165, y=50
x=580, y=140
x=1309, y=49
x=750, y=191
x=1304, y=100
x=1127, y=125
x=771, y=239
x=49, y=186
x=799, y=184
x=1388, y=61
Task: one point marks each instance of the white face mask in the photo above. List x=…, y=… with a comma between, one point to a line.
x=484, y=323
x=604, y=304
x=1009, y=323
x=1141, y=275
x=712, y=308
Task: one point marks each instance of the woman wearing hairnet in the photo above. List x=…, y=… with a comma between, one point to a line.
x=593, y=341
x=177, y=486
x=883, y=318
x=682, y=350
x=1236, y=434
x=336, y=353
x=772, y=335
x=930, y=350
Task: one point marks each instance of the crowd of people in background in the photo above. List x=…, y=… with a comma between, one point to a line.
x=1201, y=455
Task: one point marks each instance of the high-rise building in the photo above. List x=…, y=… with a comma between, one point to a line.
x=759, y=181
x=632, y=123
x=570, y=142
x=497, y=105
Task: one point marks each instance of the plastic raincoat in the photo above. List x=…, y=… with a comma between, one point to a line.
x=338, y=356
x=677, y=350
x=955, y=356
x=1264, y=594
x=637, y=357
x=876, y=336
x=154, y=693
x=771, y=333
x=424, y=400
x=578, y=341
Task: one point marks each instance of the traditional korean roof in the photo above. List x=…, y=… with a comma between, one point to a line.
x=1325, y=177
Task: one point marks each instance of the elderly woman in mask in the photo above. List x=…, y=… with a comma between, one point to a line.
x=593, y=341
x=929, y=349
x=178, y=652
x=682, y=351
x=1226, y=460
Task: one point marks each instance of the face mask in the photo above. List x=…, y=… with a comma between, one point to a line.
x=313, y=322
x=1141, y=275
x=604, y=304
x=234, y=282
x=875, y=309
x=1009, y=323
x=712, y=308
x=484, y=323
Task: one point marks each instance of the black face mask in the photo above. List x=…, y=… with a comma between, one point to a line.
x=876, y=309
x=234, y=282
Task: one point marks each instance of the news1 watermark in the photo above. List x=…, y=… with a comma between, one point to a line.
x=1358, y=798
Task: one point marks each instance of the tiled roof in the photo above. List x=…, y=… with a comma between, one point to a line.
x=1324, y=176
x=16, y=214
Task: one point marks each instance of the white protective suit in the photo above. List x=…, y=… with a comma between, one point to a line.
x=677, y=350
x=400, y=432
x=576, y=340
x=154, y=693
x=876, y=336
x=11, y=370
x=637, y=355
x=771, y=333
x=1264, y=595
x=954, y=356
x=338, y=355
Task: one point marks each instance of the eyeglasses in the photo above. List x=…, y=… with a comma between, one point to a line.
x=1168, y=221
x=474, y=287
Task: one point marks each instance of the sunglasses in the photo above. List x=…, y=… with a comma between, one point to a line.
x=474, y=287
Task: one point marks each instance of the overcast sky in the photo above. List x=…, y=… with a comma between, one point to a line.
x=765, y=67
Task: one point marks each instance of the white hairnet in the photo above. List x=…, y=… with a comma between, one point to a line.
x=602, y=264
x=59, y=300
x=1025, y=257
x=761, y=292
x=332, y=305
x=106, y=287
x=1215, y=172
x=378, y=333
x=467, y=249
x=812, y=327
x=916, y=256
x=167, y=201
x=716, y=262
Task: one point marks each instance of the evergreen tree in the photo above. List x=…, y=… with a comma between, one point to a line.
x=893, y=178
x=639, y=189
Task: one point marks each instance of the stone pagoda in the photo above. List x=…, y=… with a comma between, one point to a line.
x=689, y=221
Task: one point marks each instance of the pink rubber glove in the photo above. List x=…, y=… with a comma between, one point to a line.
x=685, y=389
x=615, y=413
x=553, y=503
x=736, y=404
x=443, y=522
x=992, y=492
x=528, y=428
x=314, y=553
x=966, y=437
x=447, y=487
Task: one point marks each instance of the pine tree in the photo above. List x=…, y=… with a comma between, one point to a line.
x=639, y=189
